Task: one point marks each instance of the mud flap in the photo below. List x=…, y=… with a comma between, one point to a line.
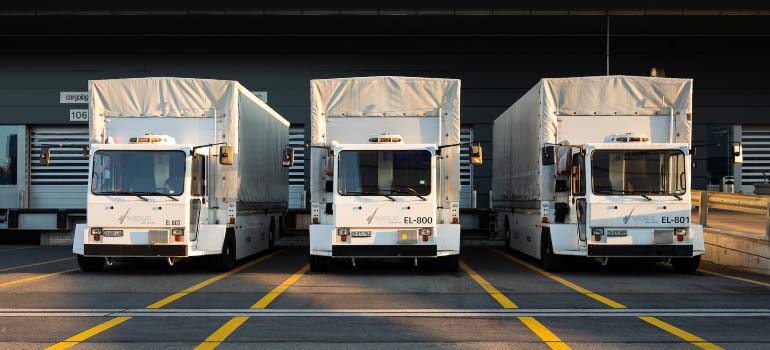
x=78, y=241
x=211, y=238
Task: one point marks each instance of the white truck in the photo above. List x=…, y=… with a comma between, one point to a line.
x=385, y=173
x=181, y=168
x=598, y=167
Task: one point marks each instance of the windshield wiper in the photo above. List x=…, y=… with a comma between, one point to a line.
x=410, y=190
x=159, y=194
x=371, y=194
x=675, y=195
x=125, y=194
x=626, y=192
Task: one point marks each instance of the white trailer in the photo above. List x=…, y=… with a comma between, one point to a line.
x=181, y=168
x=598, y=167
x=385, y=173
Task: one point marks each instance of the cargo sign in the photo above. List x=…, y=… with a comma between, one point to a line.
x=73, y=97
x=78, y=115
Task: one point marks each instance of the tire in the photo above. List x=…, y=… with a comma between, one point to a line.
x=686, y=265
x=449, y=263
x=89, y=264
x=319, y=263
x=271, y=235
x=550, y=261
x=507, y=228
x=225, y=261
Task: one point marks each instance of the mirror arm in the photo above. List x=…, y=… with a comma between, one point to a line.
x=208, y=145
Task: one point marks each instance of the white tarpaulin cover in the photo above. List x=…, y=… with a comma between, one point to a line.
x=257, y=132
x=532, y=122
x=387, y=97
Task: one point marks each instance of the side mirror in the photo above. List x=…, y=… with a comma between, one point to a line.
x=226, y=155
x=737, y=153
x=476, y=155
x=288, y=156
x=45, y=155
x=548, y=156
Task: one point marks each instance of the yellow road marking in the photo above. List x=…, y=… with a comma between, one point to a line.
x=491, y=290
x=222, y=333
x=169, y=299
x=684, y=335
x=534, y=325
x=735, y=278
x=83, y=336
x=604, y=300
x=35, y=264
x=543, y=333
x=230, y=326
x=681, y=333
x=35, y=278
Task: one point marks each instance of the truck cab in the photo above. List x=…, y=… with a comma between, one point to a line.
x=146, y=198
x=627, y=198
x=384, y=204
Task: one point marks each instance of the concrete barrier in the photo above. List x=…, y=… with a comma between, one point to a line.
x=745, y=252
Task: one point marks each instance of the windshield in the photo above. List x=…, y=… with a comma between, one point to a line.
x=619, y=172
x=138, y=172
x=395, y=173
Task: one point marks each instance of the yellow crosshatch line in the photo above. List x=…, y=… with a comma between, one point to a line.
x=34, y=264
x=35, y=278
x=747, y=280
x=541, y=331
x=85, y=335
x=230, y=326
x=682, y=334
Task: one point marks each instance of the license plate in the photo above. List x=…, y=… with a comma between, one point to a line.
x=617, y=233
x=112, y=233
x=361, y=233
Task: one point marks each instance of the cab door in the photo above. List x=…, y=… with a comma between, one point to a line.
x=578, y=191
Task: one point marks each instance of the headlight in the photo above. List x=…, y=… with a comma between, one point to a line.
x=680, y=231
x=343, y=231
x=597, y=231
x=177, y=231
x=96, y=231
x=427, y=231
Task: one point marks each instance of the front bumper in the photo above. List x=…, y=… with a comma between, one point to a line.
x=138, y=250
x=384, y=251
x=640, y=250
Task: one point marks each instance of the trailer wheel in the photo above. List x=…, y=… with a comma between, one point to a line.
x=89, y=264
x=271, y=234
x=319, y=263
x=225, y=261
x=549, y=260
x=686, y=265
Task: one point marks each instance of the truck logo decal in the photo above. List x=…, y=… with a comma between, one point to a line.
x=123, y=217
x=371, y=217
x=628, y=217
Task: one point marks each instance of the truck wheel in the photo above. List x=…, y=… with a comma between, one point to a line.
x=271, y=234
x=88, y=264
x=225, y=261
x=449, y=263
x=319, y=263
x=549, y=260
x=686, y=265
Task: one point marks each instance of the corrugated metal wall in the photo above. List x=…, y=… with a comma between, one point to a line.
x=730, y=71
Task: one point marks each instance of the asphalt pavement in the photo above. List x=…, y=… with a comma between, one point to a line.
x=499, y=300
